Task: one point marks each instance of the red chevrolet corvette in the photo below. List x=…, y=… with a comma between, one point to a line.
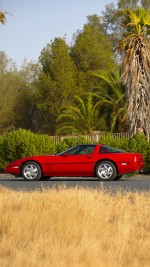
x=105, y=163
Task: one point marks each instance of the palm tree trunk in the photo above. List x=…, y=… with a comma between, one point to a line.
x=137, y=80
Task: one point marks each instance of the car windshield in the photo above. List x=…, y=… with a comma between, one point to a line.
x=107, y=149
x=79, y=150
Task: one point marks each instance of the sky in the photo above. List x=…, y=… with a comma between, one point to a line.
x=34, y=23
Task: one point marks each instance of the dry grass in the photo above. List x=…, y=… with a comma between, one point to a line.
x=74, y=228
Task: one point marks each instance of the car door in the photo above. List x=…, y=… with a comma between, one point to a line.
x=78, y=164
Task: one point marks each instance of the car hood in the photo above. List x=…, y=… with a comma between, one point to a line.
x=30, y=158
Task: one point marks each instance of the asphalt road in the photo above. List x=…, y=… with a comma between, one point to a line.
x=138, y=183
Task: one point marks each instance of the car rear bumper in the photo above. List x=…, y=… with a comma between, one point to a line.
x=129, y=167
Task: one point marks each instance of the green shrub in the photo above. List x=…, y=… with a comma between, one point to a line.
x=3, y=163
x=108, y=139
x=1, y=146
x=61, y=146
x=68, y=142
x=138, y=144
x=147, y=159
x=22, y=143
x=76, y=141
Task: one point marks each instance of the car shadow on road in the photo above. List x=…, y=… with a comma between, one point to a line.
x=59, y=179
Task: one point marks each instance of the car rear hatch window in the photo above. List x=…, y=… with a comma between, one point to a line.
x=107, y=149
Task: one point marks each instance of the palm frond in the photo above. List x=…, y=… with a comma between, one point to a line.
x=2, y=17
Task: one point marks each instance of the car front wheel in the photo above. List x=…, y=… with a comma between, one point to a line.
x=106, y=171
x=31, y=171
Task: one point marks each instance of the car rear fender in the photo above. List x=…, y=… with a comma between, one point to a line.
x=29, y=161
x=105, y=159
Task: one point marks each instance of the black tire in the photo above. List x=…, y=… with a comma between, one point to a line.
x=31, y=171
x=106, y=171
x=118, y=177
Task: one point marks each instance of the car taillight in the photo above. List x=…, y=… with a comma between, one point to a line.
x=139, y=157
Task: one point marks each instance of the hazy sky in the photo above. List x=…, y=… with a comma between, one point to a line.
x=35, y=22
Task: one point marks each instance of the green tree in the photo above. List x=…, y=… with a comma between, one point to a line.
x=112, y=18
x=130, y=4
x=92, y=50
x=8, y=91
x=82, y=117
x=145, y=4
x=25, y=109
x=135, y=47
x=58, y=80
x=6, y=64
x=17, y=101
x=89, y=44
x=113, y=103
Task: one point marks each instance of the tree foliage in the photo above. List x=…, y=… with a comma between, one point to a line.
x=92, y=50
x=8, y=91
x=112, y=100
x=58, y=79
x=82, y=117
x=145, y=4
x=32, y=97
x=112, y=17
x=25, y=105
x=17, y=102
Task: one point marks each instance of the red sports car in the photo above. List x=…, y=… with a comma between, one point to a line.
x=101, y=161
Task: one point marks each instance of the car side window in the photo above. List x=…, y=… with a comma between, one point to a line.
x=103, y=150
x=107, y=149
x=74, y=151
x=87, y=150
x=82, y=150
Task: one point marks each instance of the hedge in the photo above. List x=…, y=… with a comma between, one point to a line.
x=66, y=143
x=138, y=144
x=2, y=161
x=22, y=143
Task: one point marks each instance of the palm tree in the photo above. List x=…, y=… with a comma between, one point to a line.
x=2, y=16
x=113, y=103
x=82, y=117
x=135, y=47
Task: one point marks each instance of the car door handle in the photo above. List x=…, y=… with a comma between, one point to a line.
x=89, y=157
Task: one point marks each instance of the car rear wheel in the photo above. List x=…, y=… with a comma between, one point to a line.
x=106, y=171
x=31, y=171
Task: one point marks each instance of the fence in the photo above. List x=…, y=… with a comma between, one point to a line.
x=90, y=137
